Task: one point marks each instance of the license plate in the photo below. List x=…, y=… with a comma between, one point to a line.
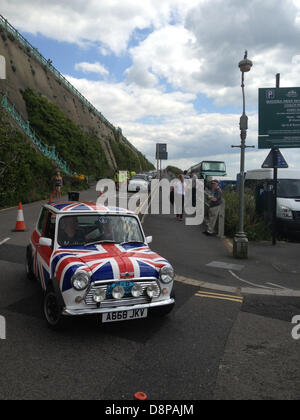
x=125, y=315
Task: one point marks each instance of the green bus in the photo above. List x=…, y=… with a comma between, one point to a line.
x=207, y=169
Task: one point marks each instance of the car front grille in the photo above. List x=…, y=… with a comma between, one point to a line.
x=296, y=215
x=128, y=299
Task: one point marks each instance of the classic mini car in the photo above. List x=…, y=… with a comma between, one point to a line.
x=96, y=260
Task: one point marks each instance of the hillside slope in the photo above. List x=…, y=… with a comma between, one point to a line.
x=27, y=69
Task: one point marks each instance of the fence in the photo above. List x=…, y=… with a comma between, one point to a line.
x=46, y=150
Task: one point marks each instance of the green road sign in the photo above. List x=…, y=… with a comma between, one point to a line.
x=279, y=118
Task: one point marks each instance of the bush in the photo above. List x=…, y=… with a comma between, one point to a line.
x=82, y=151
x=175, y=171
x=255, y=226
x=25, y=173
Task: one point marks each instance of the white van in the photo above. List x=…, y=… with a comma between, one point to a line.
x=288, y=197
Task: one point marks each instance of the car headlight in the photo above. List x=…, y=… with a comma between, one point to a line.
x=167, y=274
x=80, y=280
x=118, y=292
x=99, y=295
x=136, y=290
x=153, y=291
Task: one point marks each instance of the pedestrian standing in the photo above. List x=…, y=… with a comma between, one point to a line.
x=194, y=188
x=180, y=189
x=186, y=175
x=116, y=179
x=215, y=201
x=58, y=183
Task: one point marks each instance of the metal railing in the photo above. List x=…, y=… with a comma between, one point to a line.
x=48, y=64
x=45, y=149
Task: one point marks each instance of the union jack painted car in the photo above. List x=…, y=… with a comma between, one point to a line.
x=91, y=259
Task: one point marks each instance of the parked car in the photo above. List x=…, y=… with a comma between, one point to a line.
x=96, y=260
x=139, y=182
x=260, y=181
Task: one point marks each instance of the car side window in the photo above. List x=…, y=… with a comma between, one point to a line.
x=50, y=226
x=42, y=220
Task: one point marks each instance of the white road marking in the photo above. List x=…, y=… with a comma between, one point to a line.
x=248, y=282
x=4, y=241
x=277, y=285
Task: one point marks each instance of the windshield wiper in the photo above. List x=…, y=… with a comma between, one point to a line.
x=104, y=241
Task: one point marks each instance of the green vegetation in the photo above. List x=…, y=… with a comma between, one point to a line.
x=255, y=227
x=25, y=174
x=173, y=170
x=127, y=159
x=82, y=151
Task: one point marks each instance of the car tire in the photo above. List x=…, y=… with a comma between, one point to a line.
x=53, y=311
x=29, y=265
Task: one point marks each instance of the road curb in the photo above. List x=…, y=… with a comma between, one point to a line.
x=238, y=290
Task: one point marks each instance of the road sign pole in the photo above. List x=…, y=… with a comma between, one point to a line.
x=275, y=185
x=275, y=191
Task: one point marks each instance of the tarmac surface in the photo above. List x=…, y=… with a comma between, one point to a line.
x=229, y=336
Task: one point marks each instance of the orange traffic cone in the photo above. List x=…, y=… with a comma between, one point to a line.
x=50, y=199
x=20, y=225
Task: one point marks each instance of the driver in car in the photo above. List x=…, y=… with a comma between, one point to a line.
x=69, y=232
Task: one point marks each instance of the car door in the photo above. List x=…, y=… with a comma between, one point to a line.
x=35, y=238
x=44, y=253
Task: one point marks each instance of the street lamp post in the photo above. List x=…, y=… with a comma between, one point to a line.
x=240, y=241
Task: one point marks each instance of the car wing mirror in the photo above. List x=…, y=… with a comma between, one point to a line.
x=45, y=242
x=149, y=239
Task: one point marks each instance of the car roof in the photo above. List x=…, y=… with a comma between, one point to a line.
x=63, y=207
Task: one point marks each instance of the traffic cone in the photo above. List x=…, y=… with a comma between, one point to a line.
x=50, y=199
x=20, y=225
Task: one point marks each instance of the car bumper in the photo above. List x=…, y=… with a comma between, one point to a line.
x=95, y=311
x=288, y=225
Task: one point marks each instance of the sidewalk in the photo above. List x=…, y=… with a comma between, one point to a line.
x=276, y=267
x=273, y=270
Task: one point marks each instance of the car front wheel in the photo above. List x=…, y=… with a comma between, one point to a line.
x=53, y=311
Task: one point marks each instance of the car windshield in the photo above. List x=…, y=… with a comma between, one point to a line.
x=144, y=177
x=214, y=166
x=289, y=188
x=88, y=229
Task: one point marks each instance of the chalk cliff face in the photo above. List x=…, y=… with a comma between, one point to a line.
x=24, y=70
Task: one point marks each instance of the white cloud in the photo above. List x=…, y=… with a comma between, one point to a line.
x=122, y=103
x=188, y=48
x=92, y=68
x=167, y=53
x=111, y=23
x=191, y=137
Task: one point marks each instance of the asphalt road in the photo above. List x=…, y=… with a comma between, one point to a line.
x=214, y=345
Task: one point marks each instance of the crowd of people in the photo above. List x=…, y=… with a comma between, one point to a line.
x=213, y=199
x=213, y=195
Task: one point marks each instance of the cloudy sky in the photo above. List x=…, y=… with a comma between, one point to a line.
x=166, y=71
